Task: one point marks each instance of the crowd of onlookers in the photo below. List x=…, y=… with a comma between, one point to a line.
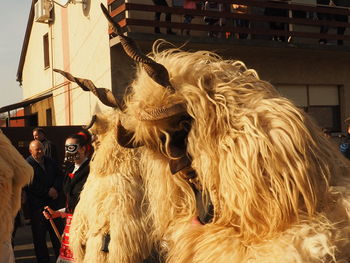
x=244, y=24
x=49, y=200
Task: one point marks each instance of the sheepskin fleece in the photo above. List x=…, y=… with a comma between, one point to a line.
x=111, y=202
x=15, y=173
x=280, y=190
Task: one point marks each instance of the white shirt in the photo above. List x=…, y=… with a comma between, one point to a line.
x=77, y=166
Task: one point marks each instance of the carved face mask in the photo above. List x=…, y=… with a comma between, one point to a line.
x=71, y=153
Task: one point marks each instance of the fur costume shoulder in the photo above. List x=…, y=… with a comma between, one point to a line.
x=15, y=173
x=111, y=203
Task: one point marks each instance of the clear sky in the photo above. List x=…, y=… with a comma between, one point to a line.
x=13, y=22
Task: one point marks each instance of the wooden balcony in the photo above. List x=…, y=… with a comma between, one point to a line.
x=287, y=22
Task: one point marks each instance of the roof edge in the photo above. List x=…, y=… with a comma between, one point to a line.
x=24, y=103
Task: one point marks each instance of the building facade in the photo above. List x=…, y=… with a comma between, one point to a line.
x=73, y=38
x=76, y=40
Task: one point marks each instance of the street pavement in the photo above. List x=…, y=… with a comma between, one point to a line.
x=24, y=248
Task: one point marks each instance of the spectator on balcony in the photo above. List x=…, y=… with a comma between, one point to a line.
x=167, y=17
x=275, y=25
x=210, y=21
x=240, y=23
x=189, y=4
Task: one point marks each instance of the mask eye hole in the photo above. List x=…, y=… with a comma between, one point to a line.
x=71, y=148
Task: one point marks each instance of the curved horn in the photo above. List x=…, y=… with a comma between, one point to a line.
x=105, y=95
x=125, y=137
x=155, y=70
x=92, y=121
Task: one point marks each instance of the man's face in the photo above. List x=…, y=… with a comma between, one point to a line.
x=36, y=150
x=38, y=136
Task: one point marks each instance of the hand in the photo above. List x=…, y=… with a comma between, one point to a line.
x=53, y=193
x=50, y=214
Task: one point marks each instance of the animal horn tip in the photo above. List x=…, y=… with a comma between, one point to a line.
x=103, y=7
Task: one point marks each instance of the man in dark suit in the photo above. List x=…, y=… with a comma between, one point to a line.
x=43, y=191
x=48, y=147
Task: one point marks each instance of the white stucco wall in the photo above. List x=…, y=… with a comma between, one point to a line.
x=78, y=44
x=36, y=79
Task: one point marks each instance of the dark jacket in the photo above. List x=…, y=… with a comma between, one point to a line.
x=73, y=186
x=50, y=149
x=43, y=180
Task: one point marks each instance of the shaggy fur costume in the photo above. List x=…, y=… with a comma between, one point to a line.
x=15, y=173
x=280, y=190
x=111, y=203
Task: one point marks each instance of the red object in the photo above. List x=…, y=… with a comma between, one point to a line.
x=86, y=139
x=65, y=251
x=83, y=134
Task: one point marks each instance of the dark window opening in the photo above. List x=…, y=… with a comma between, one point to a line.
x=32, y=120
x=46, y=51
x=48, y=117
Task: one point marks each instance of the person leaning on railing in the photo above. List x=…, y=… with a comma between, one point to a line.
x=210, y=21
x=167, y=17
x=189, y=4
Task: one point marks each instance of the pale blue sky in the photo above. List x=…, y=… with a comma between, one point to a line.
x=13, y=22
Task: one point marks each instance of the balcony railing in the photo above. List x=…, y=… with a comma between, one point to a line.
x=283, y=21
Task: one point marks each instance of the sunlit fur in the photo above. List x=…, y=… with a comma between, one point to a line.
x=111, y=202
x=262, y=161
x=15, y=173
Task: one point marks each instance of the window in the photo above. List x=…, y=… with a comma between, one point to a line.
x=321, y=102
x=46, y=51
x=32, y=120
x=48, y=117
